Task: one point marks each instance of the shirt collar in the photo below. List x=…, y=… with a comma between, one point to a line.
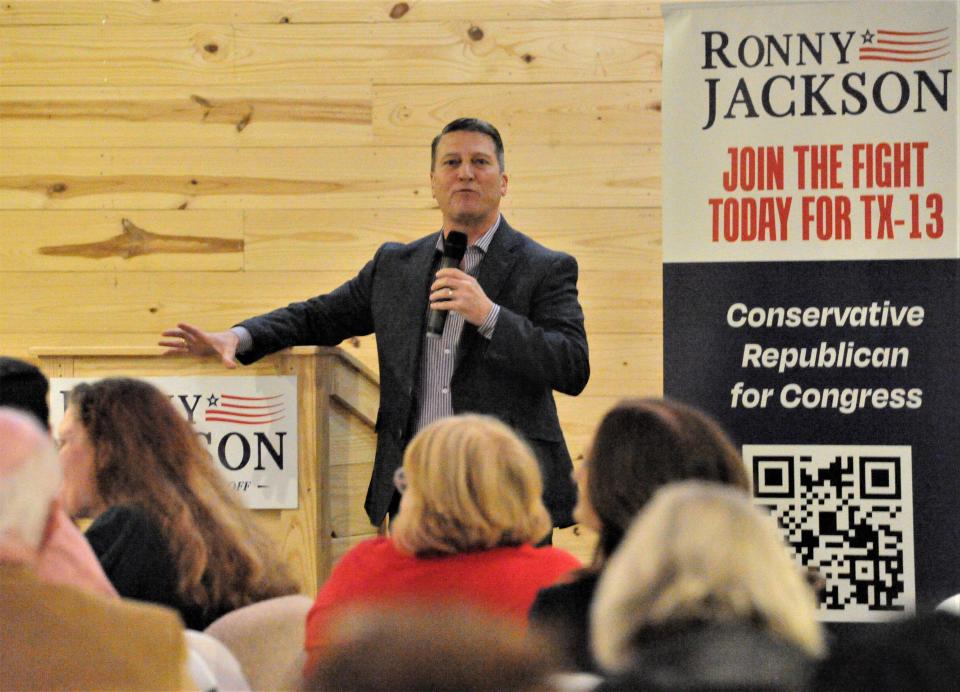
x=483, y=242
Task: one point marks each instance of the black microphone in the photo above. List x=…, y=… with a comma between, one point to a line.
x=454, y=247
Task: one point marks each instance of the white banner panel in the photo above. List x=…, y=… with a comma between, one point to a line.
x=249, y=425
x=811, y=277
x=810, y=131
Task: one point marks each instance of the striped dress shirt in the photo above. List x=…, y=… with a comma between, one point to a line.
x=439, y=352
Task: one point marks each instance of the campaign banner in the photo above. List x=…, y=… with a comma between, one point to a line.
x=812, y=277
x=248, y=424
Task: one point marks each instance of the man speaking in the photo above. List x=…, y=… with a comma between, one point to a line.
x=513, y=334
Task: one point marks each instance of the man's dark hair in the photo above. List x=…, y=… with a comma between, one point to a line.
x=469, y=125
x=24, y=387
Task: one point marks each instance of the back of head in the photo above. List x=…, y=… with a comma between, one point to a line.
x=24, y=387
x=146, y=454
x=453, y=649
x=700, y=552
x=472, y=484
x=144, y=451
x=29, y=478
x=643, y=444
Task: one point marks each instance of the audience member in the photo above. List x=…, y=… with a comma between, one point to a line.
x=443, y=649
x=702, y=593
x=24, y=387
x=920, y=654
x=470, y=511
x=66, y=557
x=640, y=446
x=167, y=528
x=54, y=636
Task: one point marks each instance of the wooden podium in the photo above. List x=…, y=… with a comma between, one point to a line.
x=338, y=398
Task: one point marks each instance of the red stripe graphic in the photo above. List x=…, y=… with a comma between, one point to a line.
x=894, y=51
x=260, y=410
x=243, y=422
x=250, y=398
x=888, y=42
x=938, y=46
x=238, y=414
x=883, y=59
x=268, y=406
x=888, y=32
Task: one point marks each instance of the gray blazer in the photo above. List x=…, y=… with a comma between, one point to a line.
x=539, y=345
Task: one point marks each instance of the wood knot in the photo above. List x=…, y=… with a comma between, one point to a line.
x=284, y=20
x=201, y=101
x=657, y=106
x=154, y=310
x=527, y=58
x=194, y=181
x=245, y=120
x=211, y=47
x=475, y=33
x=57, y=188
x=398, y=10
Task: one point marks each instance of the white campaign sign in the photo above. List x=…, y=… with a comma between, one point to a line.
x=810, y=131
x=249, y=425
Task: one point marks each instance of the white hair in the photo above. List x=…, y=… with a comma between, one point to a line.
x=700, y=551
x=30, y=477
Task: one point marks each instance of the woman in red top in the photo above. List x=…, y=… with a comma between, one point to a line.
x=469, y=516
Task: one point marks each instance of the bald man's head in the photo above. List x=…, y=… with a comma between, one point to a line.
x=29, y=477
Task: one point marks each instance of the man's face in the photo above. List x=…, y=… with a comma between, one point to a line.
x=467, y=181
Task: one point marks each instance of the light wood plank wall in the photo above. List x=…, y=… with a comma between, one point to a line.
x=205, y=160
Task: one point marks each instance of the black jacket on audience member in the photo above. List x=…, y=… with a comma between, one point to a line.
x=137, y=561
x=562, y=613
x=714, y=656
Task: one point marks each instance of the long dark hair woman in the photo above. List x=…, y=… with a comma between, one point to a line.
x=640, y=446
x=167, y=528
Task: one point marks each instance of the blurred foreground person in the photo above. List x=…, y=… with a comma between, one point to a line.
x=921, y=654
x=702, y=594
x=444, y=649
x=54, y=636
x=66, y=557
x=167, y=527
x=640, y=446
x=470, y=513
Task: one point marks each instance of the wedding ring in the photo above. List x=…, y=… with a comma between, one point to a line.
x=449, y=292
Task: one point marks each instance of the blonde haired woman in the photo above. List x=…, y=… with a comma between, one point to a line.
x=469, y=515
x=702, y=593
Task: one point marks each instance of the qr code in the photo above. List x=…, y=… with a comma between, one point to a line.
x=845, y=511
